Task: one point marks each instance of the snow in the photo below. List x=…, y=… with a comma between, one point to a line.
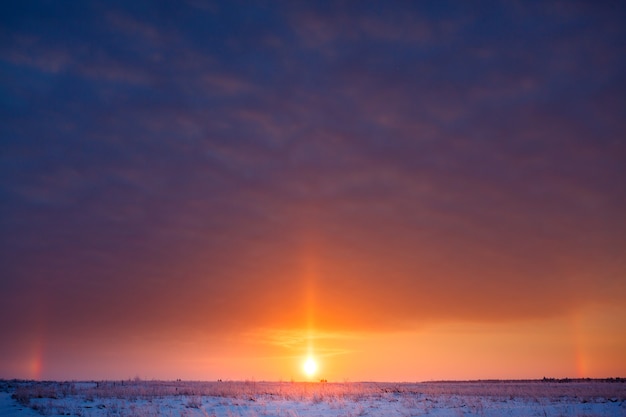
x=255, y=399
x=10, y=408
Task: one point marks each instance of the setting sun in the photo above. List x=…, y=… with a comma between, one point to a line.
x=310, y=366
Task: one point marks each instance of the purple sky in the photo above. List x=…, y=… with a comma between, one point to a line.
x=172, y=168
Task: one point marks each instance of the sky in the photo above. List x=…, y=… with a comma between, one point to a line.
x=404, y=191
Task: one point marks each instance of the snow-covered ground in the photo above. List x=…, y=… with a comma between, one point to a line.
x=249, y=398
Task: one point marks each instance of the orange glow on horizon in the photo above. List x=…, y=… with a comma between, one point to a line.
x=581, y=345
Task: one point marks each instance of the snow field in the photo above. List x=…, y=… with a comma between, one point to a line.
x=287, y=399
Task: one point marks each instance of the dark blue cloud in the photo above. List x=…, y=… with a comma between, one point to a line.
x=162, y=157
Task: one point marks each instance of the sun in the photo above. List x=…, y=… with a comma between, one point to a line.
x=309, y=366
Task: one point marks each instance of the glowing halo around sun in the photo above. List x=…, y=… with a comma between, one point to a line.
x=309, y=366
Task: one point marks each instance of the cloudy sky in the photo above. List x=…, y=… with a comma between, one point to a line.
x=406, y=190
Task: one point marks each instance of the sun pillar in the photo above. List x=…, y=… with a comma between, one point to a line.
x=310, y=278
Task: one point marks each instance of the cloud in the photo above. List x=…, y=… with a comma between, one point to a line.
x=131, y=26
x=323, y=26
x=424, y=169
